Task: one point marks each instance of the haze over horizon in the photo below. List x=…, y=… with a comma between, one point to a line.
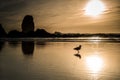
x=67, y=16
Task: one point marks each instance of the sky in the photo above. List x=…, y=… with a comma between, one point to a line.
x=67, y=16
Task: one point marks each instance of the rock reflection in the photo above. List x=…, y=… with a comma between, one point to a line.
x=1, y=45
x=28, y=47
x=13, y=43
x=41, y=44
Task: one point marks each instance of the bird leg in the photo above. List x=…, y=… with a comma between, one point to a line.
x=78, y=51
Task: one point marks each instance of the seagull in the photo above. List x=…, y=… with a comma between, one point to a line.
x=77, y=48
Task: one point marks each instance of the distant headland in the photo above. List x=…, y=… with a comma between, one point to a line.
x=28, y=31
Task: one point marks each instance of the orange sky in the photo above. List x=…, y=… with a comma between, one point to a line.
x=66, y=16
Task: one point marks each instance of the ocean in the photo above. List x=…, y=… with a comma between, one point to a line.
x=54, y=59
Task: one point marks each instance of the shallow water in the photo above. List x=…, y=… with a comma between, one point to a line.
x=44, y=60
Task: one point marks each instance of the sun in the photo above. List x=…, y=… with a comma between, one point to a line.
x=94, y=8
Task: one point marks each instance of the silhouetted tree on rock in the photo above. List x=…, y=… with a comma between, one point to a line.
x=2, y=31
x=42, y=33
x=15, y=34
x=28, y=24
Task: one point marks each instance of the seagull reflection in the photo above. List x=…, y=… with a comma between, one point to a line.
x=78, y=55
x=28, y=47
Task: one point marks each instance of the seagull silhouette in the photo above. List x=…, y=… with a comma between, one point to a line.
x=78, y=55
x=77, y=48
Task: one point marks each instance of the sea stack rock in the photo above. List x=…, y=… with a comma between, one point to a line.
x=28, y=24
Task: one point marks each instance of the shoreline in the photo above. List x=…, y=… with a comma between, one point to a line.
x=71, y=39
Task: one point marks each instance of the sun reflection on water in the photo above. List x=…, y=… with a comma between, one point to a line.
x=94, y=63
x=95, y=39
